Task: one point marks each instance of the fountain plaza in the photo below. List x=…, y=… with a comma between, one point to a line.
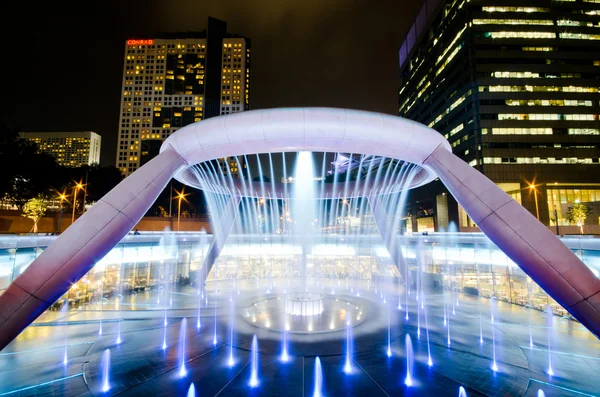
x=311, y=288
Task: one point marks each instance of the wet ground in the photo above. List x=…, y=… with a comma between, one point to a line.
x=33, y=363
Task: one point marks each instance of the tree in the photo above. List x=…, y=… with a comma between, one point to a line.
x=34, y=209
x=26, y=172
x=577, y=214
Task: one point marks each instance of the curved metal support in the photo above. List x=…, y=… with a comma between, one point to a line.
x=83, y=244
x=530, y=244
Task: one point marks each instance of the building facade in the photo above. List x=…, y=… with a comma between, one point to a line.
x=174, y=80
x=71, y=149
x=515, y=88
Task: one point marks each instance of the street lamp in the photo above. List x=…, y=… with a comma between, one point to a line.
x=556, y=220
x=62, y=197
x=75, y=191
x=180, y=196
x=537, y=210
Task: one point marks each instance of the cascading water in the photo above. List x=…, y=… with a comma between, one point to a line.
x=253, y=382
x=105, y=369
x=101, y=300
x=349, y=348
x=118, y=300
x=285, y=357
x=429, y=360
x=201, y=277
x=409, y=380
x=303, y=207
x=318, y=392
x=389, y=343
x=549, y=323
x=493, y=304
x=182, y=349
x=231, y=360
x=64, y=313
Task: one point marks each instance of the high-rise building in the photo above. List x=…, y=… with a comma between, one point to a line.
x=514, y=87
x=175, y=79
x=71, y=149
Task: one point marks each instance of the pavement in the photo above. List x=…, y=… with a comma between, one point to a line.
x=32, y=365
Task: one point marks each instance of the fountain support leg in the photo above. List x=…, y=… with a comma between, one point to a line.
x=84, y=243
x=530, y=244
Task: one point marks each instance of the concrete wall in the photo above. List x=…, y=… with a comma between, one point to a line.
x=13, y=222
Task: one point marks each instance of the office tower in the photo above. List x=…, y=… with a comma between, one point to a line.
x=175, y=79
x=514, y=87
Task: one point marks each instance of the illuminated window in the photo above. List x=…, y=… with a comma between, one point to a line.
x=515, y=9
x=521, y=131
x=545, y=49
x=513, y=22
x=515, y=75
x=521, y=35
x=457, y=129
x=535, y=88
x=579, y=36
x=584, y=131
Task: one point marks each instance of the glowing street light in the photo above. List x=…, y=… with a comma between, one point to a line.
x=62, y=197
x=180, y=196
x=537, y=209
x=78, y=186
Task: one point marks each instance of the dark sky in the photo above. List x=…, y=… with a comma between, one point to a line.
x=63, y=63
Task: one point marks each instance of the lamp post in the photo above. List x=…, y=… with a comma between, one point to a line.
x=75, y=191
x=180, y=196
x=62, y=197
x=537, y=210
x=556, y=220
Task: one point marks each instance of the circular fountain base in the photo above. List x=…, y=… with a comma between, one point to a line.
x=304, y=304
x=305, y=312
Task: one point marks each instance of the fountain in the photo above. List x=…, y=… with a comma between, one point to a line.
x=493, y=304
x=118, y=301
x=348, y=357
x=307, y=278
x=540, y=393
x=408, y=380
x=191, y=391
x=182, y=351
x=215, y=321
x=105, y=368
x=462, y=392
x=389, y=344
x=318, y=392
x=164, y=342
x=101, y=300
x=549, y=324
x=429, y=361
x=231, y=360
x=254, y=382
x=64, y=313
x=284, y=348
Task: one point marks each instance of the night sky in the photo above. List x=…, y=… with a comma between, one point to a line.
x=63, y=64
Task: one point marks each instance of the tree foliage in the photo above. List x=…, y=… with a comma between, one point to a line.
x=28, y=173
x=34, y=209
x=578, y=213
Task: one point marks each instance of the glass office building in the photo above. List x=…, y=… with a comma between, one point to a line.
x=515, y=90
